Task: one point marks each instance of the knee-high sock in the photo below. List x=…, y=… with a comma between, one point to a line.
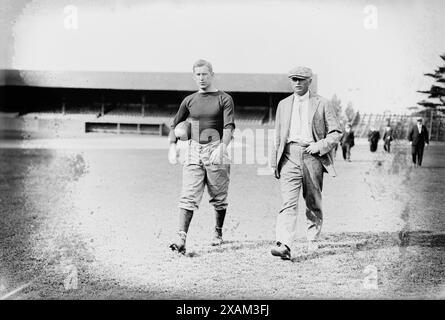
x=219, y=218
x=185, y=217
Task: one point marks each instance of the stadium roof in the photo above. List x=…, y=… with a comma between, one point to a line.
x=145, y=80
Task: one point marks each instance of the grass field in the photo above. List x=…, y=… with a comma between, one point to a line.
x=105, y=217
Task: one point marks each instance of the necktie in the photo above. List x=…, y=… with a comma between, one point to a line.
x=298, y=122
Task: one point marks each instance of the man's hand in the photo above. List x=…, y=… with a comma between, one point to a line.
x=173, y=154
x=277, y=173
x=217, y=155
x=312, y=148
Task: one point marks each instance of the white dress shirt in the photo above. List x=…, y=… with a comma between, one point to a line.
x=419, y=127
x=300, y=131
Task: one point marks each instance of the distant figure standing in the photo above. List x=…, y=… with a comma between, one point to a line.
x=373, y=138
x=347, y=142
x=418, y=135
x=387, y=138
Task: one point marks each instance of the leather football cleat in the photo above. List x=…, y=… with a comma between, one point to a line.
x=217, y=237
x=281, y=250
x=179, y=244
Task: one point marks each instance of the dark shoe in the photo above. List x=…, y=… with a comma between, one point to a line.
x=281, y=250
x=217, y=237
x=179, y=244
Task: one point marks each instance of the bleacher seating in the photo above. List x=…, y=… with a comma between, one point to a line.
x=130, y=109
x=59, y=116
x=251, y=115
x=88, y=109
x=164, y=113
x=399, y=123
x=148, y=112
x=43, y=115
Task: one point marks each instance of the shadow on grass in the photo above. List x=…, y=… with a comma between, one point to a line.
x=352, y=242
x=329, y=244
x=229, y=246
x=335, y=243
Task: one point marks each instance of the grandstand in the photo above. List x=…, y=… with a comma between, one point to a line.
x=125, y=102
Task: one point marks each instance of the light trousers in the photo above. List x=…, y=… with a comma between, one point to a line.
x=299, y=170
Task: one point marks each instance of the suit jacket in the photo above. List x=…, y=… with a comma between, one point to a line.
x=348, y=138
x=326, y=130
x=418, y=138
x=388, y=134
x=373, y=136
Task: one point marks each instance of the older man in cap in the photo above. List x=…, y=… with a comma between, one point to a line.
x=306, y=131
x=418, y=135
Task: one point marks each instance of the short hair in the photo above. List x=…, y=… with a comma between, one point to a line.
x=203, y=63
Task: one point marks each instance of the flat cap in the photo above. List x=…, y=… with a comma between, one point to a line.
x=300, y=72
x=419, y=119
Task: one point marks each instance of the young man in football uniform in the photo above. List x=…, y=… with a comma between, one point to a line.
x=206, y=163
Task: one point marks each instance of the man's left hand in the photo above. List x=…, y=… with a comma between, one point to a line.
x=312, y=148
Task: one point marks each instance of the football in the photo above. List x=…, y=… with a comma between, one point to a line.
x=183, y=130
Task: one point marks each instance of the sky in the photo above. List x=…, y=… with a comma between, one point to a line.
x=372, y=53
